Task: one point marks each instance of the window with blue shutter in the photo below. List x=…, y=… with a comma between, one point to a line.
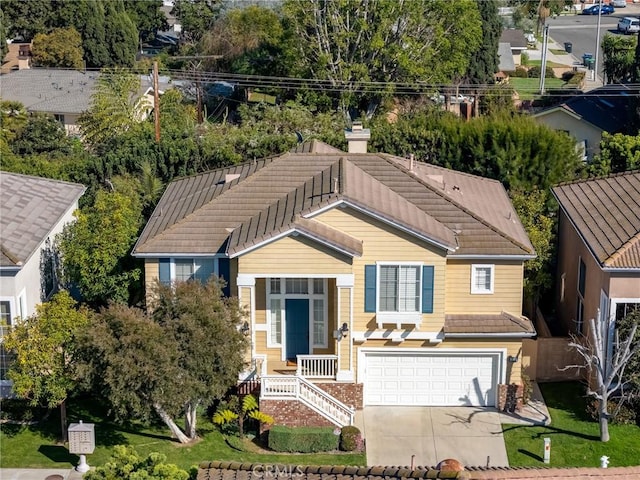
x=164, y=271
x=427, y=289
x=369, y=288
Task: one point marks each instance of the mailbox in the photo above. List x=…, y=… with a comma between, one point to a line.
x=82, y=438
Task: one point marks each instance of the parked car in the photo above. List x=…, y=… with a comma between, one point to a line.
x=618, y=3
x=629, y=25
x=604, y=10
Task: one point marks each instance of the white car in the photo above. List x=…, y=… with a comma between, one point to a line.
x=629, y=25
x=618, y=3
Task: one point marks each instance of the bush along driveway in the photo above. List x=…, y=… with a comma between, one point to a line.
x=574, y=435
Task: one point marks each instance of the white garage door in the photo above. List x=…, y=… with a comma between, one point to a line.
x=465, y=379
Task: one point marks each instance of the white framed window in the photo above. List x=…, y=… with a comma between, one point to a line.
x=399, y=288
x=7, y=314
x=275, y=322
x=482, y=279
x=319, y=323
x=185, y=269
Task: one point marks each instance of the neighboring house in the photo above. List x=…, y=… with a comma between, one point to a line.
x=585, y=117
x=599, y=249
x=17, y=58
x=65, y=94
x=32, y=211
x=390, y=282
x=517, y=44
x=506, y=63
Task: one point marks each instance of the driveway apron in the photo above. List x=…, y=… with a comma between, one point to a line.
x=472, y=435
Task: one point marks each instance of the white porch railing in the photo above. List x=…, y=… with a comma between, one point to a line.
x=285, y=387
x=317, y=366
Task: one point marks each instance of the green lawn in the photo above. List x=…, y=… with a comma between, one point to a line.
x=574, y=437
x=36, y=446
x=527, y=88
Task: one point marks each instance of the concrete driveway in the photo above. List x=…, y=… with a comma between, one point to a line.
x=472, y=435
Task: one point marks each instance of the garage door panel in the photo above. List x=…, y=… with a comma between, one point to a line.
x=431, y=379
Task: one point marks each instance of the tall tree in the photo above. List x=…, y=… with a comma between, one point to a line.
x=147, y=17
x=196, y=17
x=46, y=347
x=26, y=19
x=187, y=352
x=120, y=34
x=88, y=18
x=350, y=43
x=3, y=36
x=95, y=249
x=61, y=48
x=483, y=63
x=619, y=55
x=606, y=364
x=116, y=107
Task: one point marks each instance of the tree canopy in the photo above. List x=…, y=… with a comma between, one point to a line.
x=483, y=63
x=186, y=352
x=350, y=43
x=46, y=347
x=61, y=48
x=125, y=462
x=619, y=58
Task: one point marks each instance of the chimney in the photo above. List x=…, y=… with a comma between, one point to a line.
x=357, y=138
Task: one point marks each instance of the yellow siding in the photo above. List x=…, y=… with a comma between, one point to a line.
x=151, y=274
x=514, y=348
x=384, y=243
x=507, y=291
x=294, y=255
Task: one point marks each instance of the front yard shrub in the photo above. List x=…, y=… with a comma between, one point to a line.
x=302, y=439
x=527, y=388
x=351, y=439
x=534, y=72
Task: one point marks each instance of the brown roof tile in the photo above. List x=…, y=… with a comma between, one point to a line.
x=502, y=323
x=206, y=214
x=606, y=213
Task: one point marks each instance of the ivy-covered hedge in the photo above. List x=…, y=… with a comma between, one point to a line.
x=302, y=439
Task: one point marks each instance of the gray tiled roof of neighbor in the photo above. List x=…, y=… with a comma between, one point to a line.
x=261, y=199
x=29, y=209
x=487, y=323
x=606, y=213
x=50, y=90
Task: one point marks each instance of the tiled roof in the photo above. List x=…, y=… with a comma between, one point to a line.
x=261, y=471
x=232, y=209
x=50, y=90
x=606, y=213
x=29, y=209
x=248, y=471
x=488, y=323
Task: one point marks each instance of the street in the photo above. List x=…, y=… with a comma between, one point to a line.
x=581, y=30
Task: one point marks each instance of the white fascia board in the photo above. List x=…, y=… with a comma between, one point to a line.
x=245, y=280
x=621, y=270
x=345, y=280
x=491, y=257
x=383, y=220
x=11, y=269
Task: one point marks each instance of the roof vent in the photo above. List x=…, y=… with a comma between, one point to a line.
x=439, y=179
x=357, y=138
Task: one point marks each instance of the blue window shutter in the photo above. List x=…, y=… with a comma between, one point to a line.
x=224, y=272
x=427, y=289
x=369, y=288
x=165, y=271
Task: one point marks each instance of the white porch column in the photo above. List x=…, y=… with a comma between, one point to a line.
x=344, y=284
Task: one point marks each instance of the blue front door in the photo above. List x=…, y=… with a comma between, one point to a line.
x=297, y=325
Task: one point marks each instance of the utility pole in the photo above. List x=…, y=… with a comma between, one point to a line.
x=156, y=101
x=594, y=76
x=543, y=66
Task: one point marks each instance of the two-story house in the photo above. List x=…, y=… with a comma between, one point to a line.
x=33, y=211
x=367, y=279
x=599, y=249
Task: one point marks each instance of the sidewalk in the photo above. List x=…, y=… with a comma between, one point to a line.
x=39, y=474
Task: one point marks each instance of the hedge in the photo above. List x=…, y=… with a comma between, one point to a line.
x=302, y=439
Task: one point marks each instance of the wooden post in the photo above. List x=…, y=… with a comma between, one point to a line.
x=156, y=101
